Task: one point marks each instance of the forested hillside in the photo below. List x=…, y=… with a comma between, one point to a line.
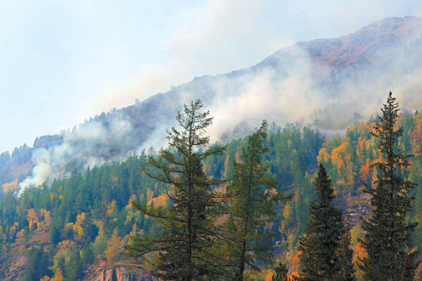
x=65, y=226
x=66, y=208
x=75, y=228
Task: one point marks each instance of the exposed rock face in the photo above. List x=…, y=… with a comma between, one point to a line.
x=16, y=269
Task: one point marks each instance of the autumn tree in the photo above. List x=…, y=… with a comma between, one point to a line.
x=387, y=238
x=182, y=246
x=324, y=229
x=251, y=208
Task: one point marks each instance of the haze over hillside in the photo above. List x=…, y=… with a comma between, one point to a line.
x=329, y=83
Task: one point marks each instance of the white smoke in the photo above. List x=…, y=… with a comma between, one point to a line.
x=265, y=95
x=92, y=144
x=298, y=95
x=297, y=91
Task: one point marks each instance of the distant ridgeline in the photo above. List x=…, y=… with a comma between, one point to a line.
x=334, y=76
x=76, y=227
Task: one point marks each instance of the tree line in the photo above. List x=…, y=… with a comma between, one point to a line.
x=66, y=228
x=70, y=227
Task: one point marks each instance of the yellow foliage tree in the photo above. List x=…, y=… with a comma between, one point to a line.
x=32, y=219
x=114, y=247
x=111, y=207
x=287, y=210
x=131, y=199
x=58, y=275
x=11, y=186
x=160, y=201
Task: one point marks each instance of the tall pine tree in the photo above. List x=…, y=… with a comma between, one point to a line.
x=387, y=238
x=323, y=233
x=251, y=207
x=183, y=247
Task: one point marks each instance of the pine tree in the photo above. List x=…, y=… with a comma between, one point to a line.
x=251, y=207
x=324, y=229
x=183, y=245
x=387, y=239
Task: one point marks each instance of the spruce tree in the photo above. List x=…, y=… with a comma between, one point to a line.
x=183, y=246
x=387, y=238
x=251, y=207
x=324, y=229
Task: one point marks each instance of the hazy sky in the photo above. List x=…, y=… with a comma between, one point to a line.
x=62, y=61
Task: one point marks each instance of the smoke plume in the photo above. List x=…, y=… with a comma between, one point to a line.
x=326, y=83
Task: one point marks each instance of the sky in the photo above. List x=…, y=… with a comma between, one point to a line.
x=62, y=62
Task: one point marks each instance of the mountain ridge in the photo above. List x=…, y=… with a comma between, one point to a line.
x=322, y=65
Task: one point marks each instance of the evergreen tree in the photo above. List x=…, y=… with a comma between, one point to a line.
x=38, y=264
x=281, y=273
x=183, y=244
x=387, y=239
x=324, y=229
x=345, y=259
x=251, y=207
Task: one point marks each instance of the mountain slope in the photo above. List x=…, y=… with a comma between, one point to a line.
x=77, y=226
x=323, y=82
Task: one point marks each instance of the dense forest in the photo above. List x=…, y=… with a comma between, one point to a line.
x=76, y=227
